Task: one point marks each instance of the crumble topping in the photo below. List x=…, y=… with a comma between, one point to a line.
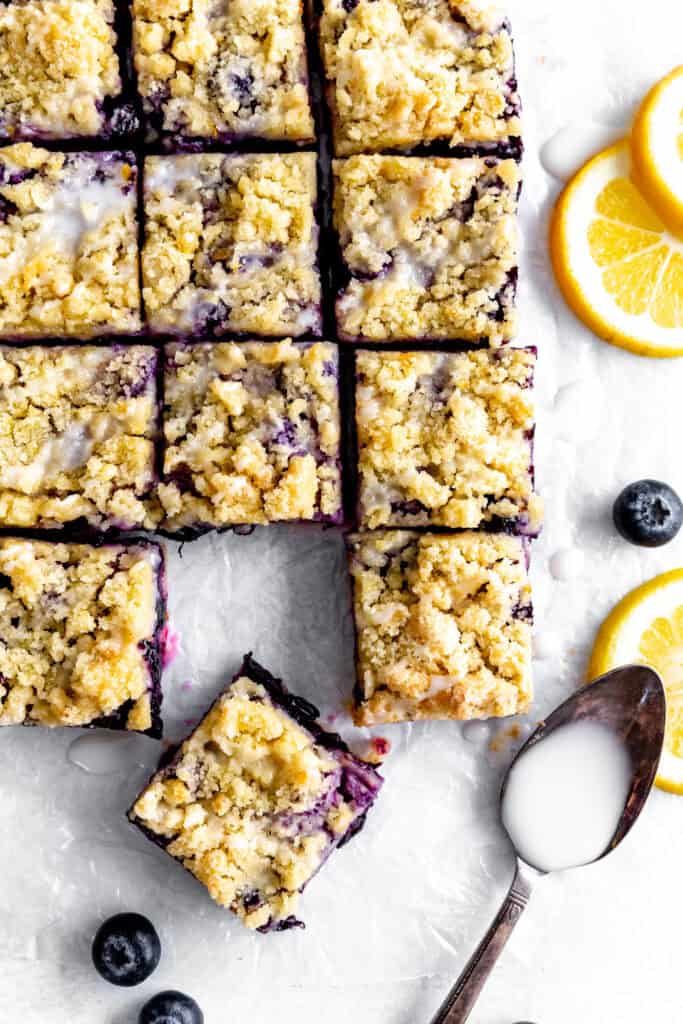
x=234, y=68
x=252, y=433
x=57, y=66
x=445, y=439
x=75, y=622
x=408, y=72
x=68, y=243
x=431, y=247
x=443, y=626
x=251, y=805
x=77, y=431
x=231, y=244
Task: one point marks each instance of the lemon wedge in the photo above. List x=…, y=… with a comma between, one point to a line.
x=657, y=149
x=646, y=628
x=619, y=268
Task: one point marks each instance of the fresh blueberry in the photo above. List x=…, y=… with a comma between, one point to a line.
x=649, y=513
x=171, y=1008
x=126, y=949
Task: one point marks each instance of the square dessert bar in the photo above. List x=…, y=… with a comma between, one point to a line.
x=68, y=243
x=429, y=248
x=223, y=71
x=256, y=799
x=60, y=72
x=80, y=634
x=251, y=434
x=445, y=439
x=443, y=625
x=231, y=244
x=408, y=73
x=77, y=436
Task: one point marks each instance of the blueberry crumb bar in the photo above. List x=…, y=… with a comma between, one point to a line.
x=79, y=634
x=251, y=434
x=255, y=800
x=408, y=73
x=445, y=439
x=231, y=244
x=224, y=71
x=68, y=243
x=429, y=248
x=78, y=426
x=60, y=72
x=443, y=625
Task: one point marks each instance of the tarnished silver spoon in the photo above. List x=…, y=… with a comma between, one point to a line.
x=630, y=703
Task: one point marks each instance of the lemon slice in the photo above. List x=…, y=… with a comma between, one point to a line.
x=646, y=628
x=657, y=150
x=618, y=267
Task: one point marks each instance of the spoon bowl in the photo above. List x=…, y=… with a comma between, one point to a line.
x=631, y=704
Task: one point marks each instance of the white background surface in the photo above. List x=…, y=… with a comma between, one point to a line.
x=393, y=917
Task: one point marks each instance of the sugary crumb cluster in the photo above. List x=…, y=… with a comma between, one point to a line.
x=430, y=246
x=77, y=434
x=78, y=634
x=444, y=439
x=231, y=244
x=443, y=625
x=58, y=66
x=253, y=803
x=68, y=243
x=402, y=73
x=224, y=70
x=252, y=434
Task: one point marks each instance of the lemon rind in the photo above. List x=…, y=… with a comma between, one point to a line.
x=568, y=283
x=602, y=656
x=666, y=203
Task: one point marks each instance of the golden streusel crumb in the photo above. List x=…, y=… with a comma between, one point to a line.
x=431, y=245
x=68, y=244
x=236, y=68
x=407, y=72
x=443, y=625
x=252, y=433
x=444, y=438
x=238, y=805
x=57, y=63
x=231, y=244
x=74, y=621
x=77, y=433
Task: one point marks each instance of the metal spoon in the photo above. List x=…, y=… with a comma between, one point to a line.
x=630, y=701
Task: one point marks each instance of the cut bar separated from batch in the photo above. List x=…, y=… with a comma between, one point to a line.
x=78, y=428
x=68, y=244
x=443, y=625
x=80, y=628
x=256, y=798
x=63, y=71
x=231, y=245
x=446, y=439
x=228, y=72
x=402, y=74
x=429, y=248
x=251, y=434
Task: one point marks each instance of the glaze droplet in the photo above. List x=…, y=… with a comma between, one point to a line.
x=566, y=564
x=99, y=753
x=476, y=732
x=575, y=143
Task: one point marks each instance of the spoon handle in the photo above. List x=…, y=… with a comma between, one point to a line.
x=460, y=1001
